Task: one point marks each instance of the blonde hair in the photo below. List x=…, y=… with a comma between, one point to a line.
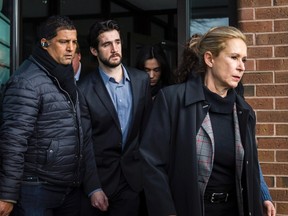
x=214, y=40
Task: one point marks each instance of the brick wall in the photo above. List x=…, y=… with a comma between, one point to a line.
x=265, y=23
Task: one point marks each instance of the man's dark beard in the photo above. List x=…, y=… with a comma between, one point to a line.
x=108, y=64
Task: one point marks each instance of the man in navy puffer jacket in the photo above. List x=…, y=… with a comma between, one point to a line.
x=45, y=152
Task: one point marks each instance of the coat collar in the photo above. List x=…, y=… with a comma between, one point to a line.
x=194, y=91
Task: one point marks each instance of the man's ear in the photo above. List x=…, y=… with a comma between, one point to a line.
x=44, y=43
x=93, y=51
x=208, y=58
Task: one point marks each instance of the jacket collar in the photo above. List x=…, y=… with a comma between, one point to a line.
x=194, y=91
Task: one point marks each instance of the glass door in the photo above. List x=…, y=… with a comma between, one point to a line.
x=5, y=40
x=205, y=14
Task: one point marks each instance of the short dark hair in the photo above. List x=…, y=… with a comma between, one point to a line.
x=53, y=24
x=98, y=28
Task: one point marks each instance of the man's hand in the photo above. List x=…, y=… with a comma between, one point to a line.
x=99, y=200
x=5, y=208
x=268, y=208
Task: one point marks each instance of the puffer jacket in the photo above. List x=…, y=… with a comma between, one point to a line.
x=41, y=133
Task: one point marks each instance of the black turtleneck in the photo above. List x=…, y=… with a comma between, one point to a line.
x=221, y=113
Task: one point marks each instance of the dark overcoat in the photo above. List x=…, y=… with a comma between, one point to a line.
x=170, y=158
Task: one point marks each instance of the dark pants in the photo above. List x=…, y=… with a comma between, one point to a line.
x=41, y=199
x=124, y=202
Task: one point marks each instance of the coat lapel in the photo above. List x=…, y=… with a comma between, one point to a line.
x=103, y=95
x=135, y=98
x=135, y=94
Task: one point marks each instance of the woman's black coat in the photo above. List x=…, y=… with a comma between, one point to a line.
x=169, y=151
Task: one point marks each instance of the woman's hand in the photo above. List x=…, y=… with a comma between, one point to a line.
x=268, y=208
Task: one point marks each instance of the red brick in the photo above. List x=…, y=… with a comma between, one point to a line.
x=270, y=181
x=256, y=26
x=272, y=142
x=250, y=65
x=280, y=2
x=266, y=156
x=260, y=52
x=249, y=91
x=272, y=116
x=282, y=156
x=275, y=169
x=253, y=3
x=280, y=25
x=281, y=51
x=271, y=90
x=281, y=103
x=260, y=103
x=264, y=129
x=255, y=77
x=272, y=38
x=265, y=24
x=281, y=77
x=279, y=195
x=272, y=64
x=271, y=13
x=282, y=130
x=281, y=181
x=246, y=14
x=250, y=38
x=282, y=208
